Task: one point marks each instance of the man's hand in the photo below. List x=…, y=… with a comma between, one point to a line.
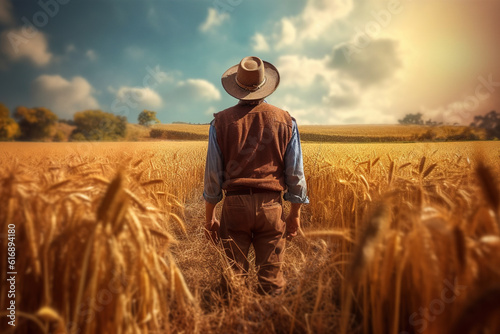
x=293, y=222
x=212, y=224
x=212, y=230
x=292, y=226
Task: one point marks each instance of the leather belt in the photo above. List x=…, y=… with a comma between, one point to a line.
x=250, y=191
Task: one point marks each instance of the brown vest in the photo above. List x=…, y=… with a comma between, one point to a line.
x=253, y=140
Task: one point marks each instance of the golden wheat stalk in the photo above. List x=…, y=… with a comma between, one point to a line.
x=391, y=173
x=421, y=165
x=489, y=186
x=342, y=234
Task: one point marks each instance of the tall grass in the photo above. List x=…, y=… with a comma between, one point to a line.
x=92, y=252
x=398, y=238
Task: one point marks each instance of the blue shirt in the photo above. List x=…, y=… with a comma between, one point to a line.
x=294, y=169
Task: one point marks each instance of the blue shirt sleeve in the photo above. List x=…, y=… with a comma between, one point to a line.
x=294, y=170
x=212, y=191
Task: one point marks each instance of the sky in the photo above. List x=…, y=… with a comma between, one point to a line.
x=340, y=61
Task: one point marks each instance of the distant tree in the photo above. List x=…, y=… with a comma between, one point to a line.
x=35, y=123
x=432, y=123
x=59, y=136
x=146, y=117
x=9, y=129
x=96, y=125
x=412, y=119
x=490, y=122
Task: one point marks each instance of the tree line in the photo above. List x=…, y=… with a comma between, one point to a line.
x=36, y=124
x=490, y=122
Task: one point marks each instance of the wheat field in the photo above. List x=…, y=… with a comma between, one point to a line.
x=323, y=133
x=398, y=238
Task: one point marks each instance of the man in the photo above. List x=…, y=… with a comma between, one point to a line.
x=254, y=154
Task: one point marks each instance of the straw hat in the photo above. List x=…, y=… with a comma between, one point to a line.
x=251, y=79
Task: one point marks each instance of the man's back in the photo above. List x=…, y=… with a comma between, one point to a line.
x=253, y=139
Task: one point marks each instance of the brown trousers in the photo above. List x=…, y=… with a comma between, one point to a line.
x=255, y=219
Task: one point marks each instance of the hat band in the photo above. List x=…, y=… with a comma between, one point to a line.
x=251, y=88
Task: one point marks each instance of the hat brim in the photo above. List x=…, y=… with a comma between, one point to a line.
x=232, y=88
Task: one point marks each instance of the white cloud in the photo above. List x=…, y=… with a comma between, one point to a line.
x=313, y=23
x=134, y=52
x=90, y=54
x=360, y=64
x=318, y=16
x=199, y=89
x=288, y=34
x=213, y=20
x=6, y=16
x=327, y=88
x=16, y=45
x=315, y=92
x=62, y=96
x=159, y=76
x=139, y=97
x=260, y=43
x=300, y=71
